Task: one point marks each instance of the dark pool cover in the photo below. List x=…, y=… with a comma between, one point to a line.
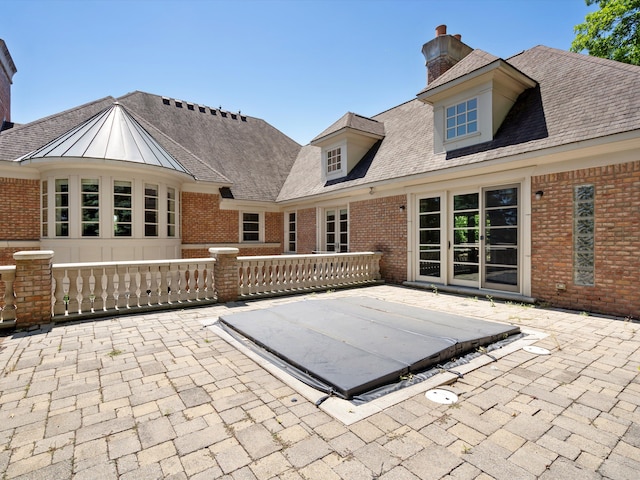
x=356, y=344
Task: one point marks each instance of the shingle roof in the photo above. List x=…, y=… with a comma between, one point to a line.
x=577, y=98
x=255, y=156
x=353, y=121
x=239, y=151
x=475, y=60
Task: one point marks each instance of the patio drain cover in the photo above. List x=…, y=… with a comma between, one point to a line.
x=536, y=350
x=352, y=345
x=439, y=395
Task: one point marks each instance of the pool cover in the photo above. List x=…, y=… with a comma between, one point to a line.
x=353, y=345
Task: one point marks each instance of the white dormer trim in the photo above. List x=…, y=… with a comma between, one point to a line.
x=496, y=87
x=331, y=172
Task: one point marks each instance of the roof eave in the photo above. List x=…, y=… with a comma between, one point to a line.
x=322, y=141
x=433, y=95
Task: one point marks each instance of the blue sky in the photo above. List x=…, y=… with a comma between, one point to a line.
x=298, y=64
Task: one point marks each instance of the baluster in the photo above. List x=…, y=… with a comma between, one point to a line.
x=206, y=290
x=127, y=287
x=116, y=288
x=65, y=289
x=244, y=278
x=170, y=284
x=188, y=277
x=182, y=282
x=138, y=284
x=79, y=287
x=104, y=282
x=92, y=287
x=158, y=289
x=147, y=278
x=196, y=281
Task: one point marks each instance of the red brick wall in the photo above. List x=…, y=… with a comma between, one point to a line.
x=617, y=240
x=19, y=214
x=204, y=223
x=274, y=228
x=306, y=225
x=380, y=225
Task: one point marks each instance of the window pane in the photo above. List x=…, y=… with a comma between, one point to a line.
x=90, y=230
x=502, y=217
x=430, y=204
x=472, y=104
x=502, y=256
x=472, y=127
x=502, y=275
x=429, y=269
x=431, y=220
x=461, y=108
x=466, y=202
x=451, y=111
x=430, y=237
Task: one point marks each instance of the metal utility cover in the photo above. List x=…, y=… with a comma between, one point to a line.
x=356, y=344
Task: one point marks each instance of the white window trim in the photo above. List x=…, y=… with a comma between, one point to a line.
x=287, y=231
x=457, y=137
x=337, y=232
x=342, y=171
x=260, y=226
x=106, y=207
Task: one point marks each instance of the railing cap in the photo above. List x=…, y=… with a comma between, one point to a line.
x=224, y=251
x=33, y=255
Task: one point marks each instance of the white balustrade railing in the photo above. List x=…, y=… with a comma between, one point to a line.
x=7, y=296
x=109, y=287
x=282, y=274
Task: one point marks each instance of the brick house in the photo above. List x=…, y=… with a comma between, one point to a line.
x=516, y=178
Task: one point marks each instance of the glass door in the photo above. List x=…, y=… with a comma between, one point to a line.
x=501, y=246
x=430, y=238
x=465, y=240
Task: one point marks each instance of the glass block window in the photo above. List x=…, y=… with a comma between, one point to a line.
x=334, y=160
x=462, y=119
x=62, y=207
x=171, y=212
x=150, y=210
x=584, y=235
x=90, y=199
x=250, y=227
x=45, y=208
x=122, y=208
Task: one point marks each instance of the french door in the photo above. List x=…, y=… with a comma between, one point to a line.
x=471, y=238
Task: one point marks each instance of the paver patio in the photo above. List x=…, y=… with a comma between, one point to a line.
x=162, y=396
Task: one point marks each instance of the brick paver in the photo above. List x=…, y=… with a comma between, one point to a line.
x=162, y=396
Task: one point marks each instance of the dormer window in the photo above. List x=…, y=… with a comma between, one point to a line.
x=334, y=160
x=345, y=143
x=334, y=157
x=462, y=119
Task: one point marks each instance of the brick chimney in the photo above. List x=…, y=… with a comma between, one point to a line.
x=7, y=70
x=443, y=52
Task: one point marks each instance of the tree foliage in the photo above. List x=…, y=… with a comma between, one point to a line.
x=612, y=32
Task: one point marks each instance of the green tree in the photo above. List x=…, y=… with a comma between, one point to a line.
x=610, y=32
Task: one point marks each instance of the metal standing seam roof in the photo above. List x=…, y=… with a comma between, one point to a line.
x=112, y=134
